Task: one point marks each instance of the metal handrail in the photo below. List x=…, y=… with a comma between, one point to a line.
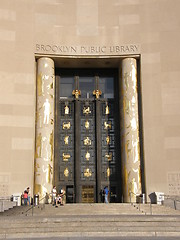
x=140, y=202
x=33, y=206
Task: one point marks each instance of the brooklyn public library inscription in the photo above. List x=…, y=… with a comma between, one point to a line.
x=87, y=50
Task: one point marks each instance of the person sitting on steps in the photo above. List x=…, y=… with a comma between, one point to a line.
x=59, y=199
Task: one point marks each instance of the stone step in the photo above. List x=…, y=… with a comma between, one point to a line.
x=90, y=209
x=81, y=235
x=96, y=221
x=83, y=231
x=88, y=220
x=90, y=229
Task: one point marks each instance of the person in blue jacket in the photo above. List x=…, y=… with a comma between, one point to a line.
x=106, y=192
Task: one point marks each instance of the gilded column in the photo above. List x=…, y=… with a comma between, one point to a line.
x=44, y=145
x=130, y=146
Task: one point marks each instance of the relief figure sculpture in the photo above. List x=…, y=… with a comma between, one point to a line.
x=51, y=139
x=38, y=145
x=46, y=106
x=107, y=110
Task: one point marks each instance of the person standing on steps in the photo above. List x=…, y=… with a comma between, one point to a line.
x=29, y=195
x=25, y=196
x=106, y=192
x=54, y=194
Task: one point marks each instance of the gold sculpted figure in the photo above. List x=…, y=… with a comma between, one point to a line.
x=107, y=140
x=48, y=172
x=97, y=93
x=107, y=110
x=134, y=79
x=51, y=139
x=66, y=125
x=107, y=125
x=87, y=141
x=86, y=110
x=87, y=125
x=136, y=153
x=38, y=145
x=133, y=186
x=66, y=109
x=133, y=124
x=87, y=156
x=46, y=106
x=76, y=93
x=108, y=172
x=128, y=151
x=126, y=75
x=87, y=172
x=66, y=172
x=66, y=140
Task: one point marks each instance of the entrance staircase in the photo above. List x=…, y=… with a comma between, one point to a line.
x=89, y=220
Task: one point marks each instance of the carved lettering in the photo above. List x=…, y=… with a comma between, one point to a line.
x=93, y=49
x=89, y=50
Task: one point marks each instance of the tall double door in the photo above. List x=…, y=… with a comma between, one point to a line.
x=87, y=150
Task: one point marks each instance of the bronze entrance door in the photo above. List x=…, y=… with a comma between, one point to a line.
x=87, y=151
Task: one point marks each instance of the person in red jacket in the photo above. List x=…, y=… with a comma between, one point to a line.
x=25, y=197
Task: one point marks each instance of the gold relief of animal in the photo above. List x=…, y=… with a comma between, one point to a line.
x=86, y=110
x=107, y=140
x=66, y=125
x=109, y=156
x=66, y=157
x=66, y=140
x=87, y=141
x=107, y=125
x=66, y=172
x=87, y=172
x=87, y=125
x=66, y=110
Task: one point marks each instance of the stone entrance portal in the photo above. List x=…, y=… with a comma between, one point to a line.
x=87, y=131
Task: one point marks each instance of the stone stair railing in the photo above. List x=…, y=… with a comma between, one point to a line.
x=6, y=203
